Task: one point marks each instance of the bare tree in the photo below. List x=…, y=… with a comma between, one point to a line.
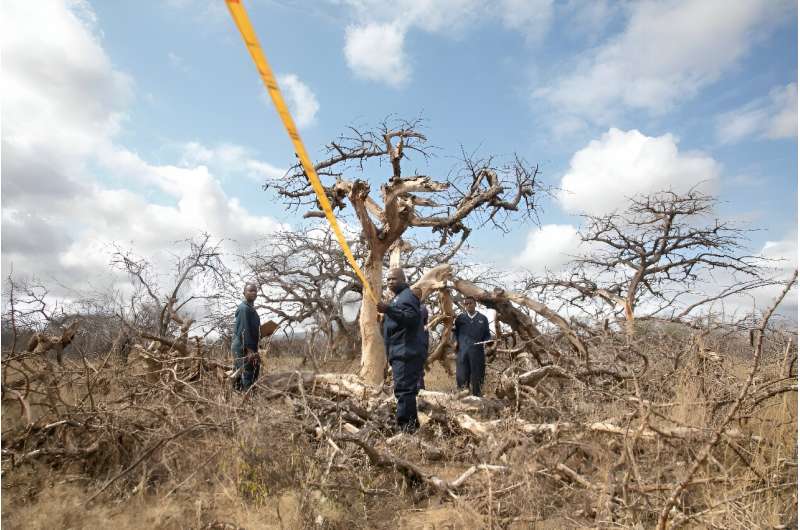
x=659, y=248
x=200, y=276
x=32, y=310
x=305, y=280
x=482, y=191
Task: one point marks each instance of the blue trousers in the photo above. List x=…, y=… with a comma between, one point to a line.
x=421, y=384
x=406, y=374
x=470, y=370
x=249, y=373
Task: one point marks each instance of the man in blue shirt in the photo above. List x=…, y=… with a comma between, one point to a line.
x=471, y=329
x=405, y=346
x=245, y=340
x=423, y=311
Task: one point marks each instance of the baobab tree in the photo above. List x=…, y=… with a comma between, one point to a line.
x=481, y=192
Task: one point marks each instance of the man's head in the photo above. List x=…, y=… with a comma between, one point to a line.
x=395, y=280
x=469, y=304
x=250, y=292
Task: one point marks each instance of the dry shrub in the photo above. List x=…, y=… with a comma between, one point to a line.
x=170, y=446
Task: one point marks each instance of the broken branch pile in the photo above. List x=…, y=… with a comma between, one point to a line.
x=615, y=441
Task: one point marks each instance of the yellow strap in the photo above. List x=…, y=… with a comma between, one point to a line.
x=249, y=35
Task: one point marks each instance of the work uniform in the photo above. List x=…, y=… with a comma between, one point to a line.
x=471, y=358
x=426, y=340
x=405, y=348
x=245, y=339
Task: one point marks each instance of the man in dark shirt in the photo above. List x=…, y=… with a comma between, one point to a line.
x=245, y=340
x=426, y=338
x=471, y=328
x=405, y=347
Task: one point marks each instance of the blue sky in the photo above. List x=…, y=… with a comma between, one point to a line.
x=142, y=122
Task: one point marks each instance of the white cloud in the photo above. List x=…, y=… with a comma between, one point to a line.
x=774, y=116
x=447, y=16
x=227, y=159
x=532, y=18
x=783, y=124
x=61, y=97
x=117, y=215
x=375, y=52
x=375, y=43
x=549, y=248
x=623, y=164
x=302, y=102
x=785, y=250
x=589, y=20
x=780, y=260
x=667, y=52
x=64, y=104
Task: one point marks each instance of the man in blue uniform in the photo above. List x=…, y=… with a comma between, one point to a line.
x=405, y=347
x=426, y=338
x=470, y=330
x=245, y=340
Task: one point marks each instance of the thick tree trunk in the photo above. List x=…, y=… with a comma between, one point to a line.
x=373, y=353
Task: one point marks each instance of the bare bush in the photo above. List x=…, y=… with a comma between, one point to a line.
x=708, y=440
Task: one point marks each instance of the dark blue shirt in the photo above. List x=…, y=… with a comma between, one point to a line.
x=245, y=328
x=423, y=321
x=468, y=331
x=402, y=329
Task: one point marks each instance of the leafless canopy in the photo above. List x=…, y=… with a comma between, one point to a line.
x=416, y=200
x=305, y=280
x=154, y=308
x=659, y=248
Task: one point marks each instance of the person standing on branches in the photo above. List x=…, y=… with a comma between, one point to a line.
x=245, y=340
x=405, y=346
x=471, y=331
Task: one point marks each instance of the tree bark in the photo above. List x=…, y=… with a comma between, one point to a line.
x=373, y=353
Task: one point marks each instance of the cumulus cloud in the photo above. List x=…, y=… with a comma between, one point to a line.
x=622, y=164
x=301, y=100
x=548, y=248
x=61, y=97
x=667, y=52
x=200, y=204
x=375, y=43
x=375, y=52
x=773, y=117
x=64, y=104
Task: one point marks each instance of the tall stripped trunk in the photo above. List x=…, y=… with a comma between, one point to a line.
x=630, y=300
x=373, y=353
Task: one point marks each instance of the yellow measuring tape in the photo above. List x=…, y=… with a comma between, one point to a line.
x=249, y=35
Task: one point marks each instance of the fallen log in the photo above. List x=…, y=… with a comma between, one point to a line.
x=509, y=384
x=485, y=429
